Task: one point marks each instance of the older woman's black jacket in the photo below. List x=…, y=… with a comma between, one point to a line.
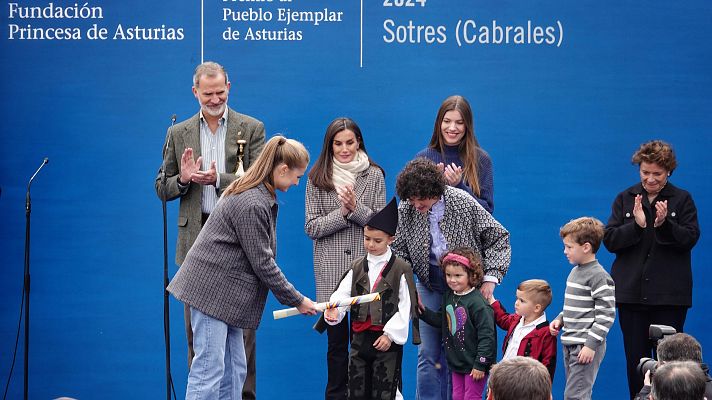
x=652, y=265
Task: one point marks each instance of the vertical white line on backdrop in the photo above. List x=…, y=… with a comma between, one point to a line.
x=202, y=18
x=361, y=46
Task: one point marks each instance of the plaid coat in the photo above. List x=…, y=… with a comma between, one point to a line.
x=231, y=266
x=465, y=223
x=338, y=240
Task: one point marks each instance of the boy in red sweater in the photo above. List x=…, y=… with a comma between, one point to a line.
x=528, y=330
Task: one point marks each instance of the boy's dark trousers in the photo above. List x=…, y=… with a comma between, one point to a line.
x=373, y=374
x=337, y=360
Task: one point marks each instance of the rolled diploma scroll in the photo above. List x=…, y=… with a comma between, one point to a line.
x=367, y=298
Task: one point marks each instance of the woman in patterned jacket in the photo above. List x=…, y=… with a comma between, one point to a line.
x=230, y=268
x=345, y=187
x=432, y=218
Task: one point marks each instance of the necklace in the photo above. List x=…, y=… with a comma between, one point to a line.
x=458, y=296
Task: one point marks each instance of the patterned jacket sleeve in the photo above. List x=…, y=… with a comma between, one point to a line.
x=320, y=223
x=494, y=239
x=363, y=211
x=253, y=231
x=400, y=244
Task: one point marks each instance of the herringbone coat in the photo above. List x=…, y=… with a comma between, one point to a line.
x=338, y=240
x=465, y=223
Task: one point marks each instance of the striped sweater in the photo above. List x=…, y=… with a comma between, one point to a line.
x=589, y=306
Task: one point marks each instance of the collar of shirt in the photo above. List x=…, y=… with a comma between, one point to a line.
x=518, y=334
x=465, y=293
x=223, y=119
x=588, y=264
x=376, y=260
x=376, y=265
x=534, y=323
x=272, y=201
x=437, y=211
x=438, y=244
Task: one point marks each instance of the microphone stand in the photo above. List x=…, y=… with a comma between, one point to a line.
x=26, y=288
x=166, y=308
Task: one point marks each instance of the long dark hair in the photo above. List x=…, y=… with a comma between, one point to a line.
x=468, y=148
x=321, y=172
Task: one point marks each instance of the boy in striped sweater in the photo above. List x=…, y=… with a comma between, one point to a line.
x=589, y=307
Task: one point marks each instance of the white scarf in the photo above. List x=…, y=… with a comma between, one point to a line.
x=345, y=173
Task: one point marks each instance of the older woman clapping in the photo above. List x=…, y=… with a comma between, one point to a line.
x=652, y=229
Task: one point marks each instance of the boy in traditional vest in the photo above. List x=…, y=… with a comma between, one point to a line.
x=380, y=328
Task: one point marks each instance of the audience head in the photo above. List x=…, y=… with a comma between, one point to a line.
x=519, y=378
x=679, y=347
x=678, y=380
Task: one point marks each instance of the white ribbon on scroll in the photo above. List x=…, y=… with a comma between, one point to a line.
x=350, y=301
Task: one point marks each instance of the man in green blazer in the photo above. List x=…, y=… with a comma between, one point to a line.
x=201, y=159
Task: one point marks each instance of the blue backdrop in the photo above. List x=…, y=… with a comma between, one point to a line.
x=560, y=120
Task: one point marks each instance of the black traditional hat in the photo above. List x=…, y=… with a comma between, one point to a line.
x=385, y=220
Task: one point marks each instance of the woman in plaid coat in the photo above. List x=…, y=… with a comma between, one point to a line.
x=230, y=268
x=345, y=187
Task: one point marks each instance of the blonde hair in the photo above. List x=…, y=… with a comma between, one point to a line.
x=278, y=150
x=584, y=230
x=538, y=289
